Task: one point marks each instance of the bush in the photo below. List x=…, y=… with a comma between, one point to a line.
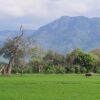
x=97, y=69
x=82, y=70
x=55, y=70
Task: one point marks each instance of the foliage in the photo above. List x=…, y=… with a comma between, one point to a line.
x=86, y=60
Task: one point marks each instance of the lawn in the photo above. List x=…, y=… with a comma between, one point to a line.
x=50, y=87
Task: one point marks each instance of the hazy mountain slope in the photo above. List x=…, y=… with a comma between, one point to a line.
x=64, y=34
x=68, y=33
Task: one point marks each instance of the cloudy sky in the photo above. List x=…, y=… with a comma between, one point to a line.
x=35, y=13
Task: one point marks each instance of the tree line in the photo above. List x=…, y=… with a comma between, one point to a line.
x=76, y=61
x=24, y=57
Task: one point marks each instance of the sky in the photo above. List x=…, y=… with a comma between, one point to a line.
x=32, y=14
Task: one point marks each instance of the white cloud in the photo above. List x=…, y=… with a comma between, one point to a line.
x=43, y=11
x=22, y=7
x=76, y=7
x=47, y=7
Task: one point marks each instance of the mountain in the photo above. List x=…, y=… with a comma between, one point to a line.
x=64, y=34
x=67, y=33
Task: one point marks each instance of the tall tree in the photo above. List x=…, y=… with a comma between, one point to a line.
x=70, y=60
x=10, y=50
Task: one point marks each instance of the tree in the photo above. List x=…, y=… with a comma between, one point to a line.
x=54, y=58
x=97, y=53
x=54, y=62
x=10, y=50
x=36, y=61
x=86, y=60
x=70, y=61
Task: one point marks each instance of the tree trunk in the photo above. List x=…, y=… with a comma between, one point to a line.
x=6, y=70
x=9, y=66
x=2, y=71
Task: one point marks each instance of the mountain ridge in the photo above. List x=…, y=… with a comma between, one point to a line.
x=65, y=34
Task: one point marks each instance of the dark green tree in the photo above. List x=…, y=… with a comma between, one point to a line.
x=86, y=60
x=71, y=66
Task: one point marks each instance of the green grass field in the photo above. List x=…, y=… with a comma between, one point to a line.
x=50, y=87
